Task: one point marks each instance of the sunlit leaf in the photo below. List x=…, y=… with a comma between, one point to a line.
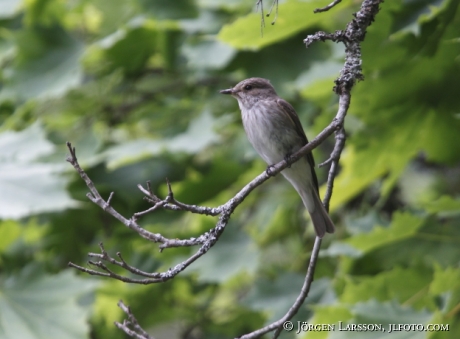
x=9, y=232
x=293, y=16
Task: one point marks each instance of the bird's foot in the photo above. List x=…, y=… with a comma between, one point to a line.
x=288, y=159
x=269, y=170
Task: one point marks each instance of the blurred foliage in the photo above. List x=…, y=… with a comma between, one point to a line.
x=133, y=84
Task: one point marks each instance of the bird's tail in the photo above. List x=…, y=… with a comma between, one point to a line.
x=320, y=218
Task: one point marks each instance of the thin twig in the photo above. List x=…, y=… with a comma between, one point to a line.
x=277, y=326
x=260, y=3
x=138, y=331
x=171, y=203
x=109, y=200
x=275, y=2
x=334, y=161
x=328, y=7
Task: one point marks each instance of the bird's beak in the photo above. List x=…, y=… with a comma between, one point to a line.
x=227, y=91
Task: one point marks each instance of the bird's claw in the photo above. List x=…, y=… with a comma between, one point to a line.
x=269, y=170
x=288, y=160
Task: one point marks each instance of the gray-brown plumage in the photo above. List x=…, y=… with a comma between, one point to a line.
x=274, y=129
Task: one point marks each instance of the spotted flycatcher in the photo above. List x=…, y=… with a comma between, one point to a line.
x=275, y=131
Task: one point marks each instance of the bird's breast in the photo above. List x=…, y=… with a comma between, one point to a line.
x=270, y=132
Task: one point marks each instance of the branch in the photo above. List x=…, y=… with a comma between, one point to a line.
x=351, y=72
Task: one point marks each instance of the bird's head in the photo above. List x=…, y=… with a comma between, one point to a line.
x=248, y=92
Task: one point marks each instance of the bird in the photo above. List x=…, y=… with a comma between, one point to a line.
x=275, y=131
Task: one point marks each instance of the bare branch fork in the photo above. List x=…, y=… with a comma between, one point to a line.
x=352, y=37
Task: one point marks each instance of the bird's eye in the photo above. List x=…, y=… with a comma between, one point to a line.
x=248, y=87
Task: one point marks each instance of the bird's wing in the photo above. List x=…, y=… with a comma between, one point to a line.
x=291, y=113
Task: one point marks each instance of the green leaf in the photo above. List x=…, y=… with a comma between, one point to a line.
x=44, y=13
x=276, y=215
x=340, y=249
x=403, y=226
x=9, y=232
x=370, y=155
x=328, y=314
x=129, y=48
x=412, y=13
x=48, y=65
x=444, y=124
x=445, y=280
x=44, y=306
x=293, y=16
x=398, y=284
x=445, y=287
x=29, y=186
x=373, y=312
x=358, y=172
x=165, y=9
x=199, y=135
x=444, y=206
x=198, y=187
x=277, y=296
x=379, y=315
x=424, y=105
x=270, y=62
x=210, y=54
x=235, y=252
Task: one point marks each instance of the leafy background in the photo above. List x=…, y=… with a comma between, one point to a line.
x=133, y=84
